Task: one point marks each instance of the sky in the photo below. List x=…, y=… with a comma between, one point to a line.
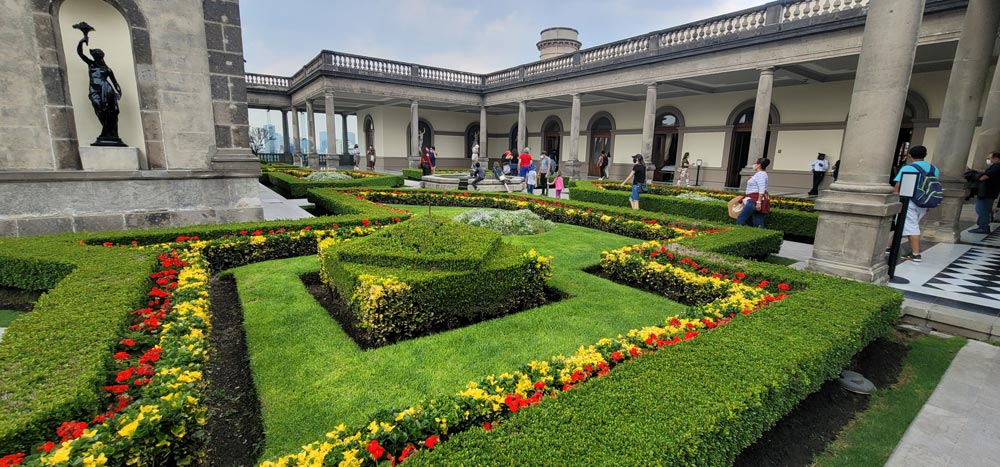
x=480, y=37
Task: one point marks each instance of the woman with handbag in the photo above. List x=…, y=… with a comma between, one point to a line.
x=638, y=178
x=755, y=201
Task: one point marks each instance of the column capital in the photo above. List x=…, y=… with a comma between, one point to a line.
x=651, y=85
x=766, y=70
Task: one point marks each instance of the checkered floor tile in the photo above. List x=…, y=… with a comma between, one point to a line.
x=976, y=274
x=992, y=239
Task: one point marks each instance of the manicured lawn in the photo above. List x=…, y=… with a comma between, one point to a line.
x=6, y=316
x=311, y=376
x=870, y=440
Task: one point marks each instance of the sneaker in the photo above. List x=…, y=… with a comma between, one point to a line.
x=914, y=258
x=979, y=231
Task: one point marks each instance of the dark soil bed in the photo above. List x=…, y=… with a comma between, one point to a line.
x=17, y=299
x=235, y=430
x=339, y=311
x=818, y=419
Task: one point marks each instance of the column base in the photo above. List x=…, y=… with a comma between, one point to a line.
x=852, y=234
x=313, y=161
x=941, y=224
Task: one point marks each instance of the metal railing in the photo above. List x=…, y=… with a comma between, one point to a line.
x=703, y=33
x=276, y=158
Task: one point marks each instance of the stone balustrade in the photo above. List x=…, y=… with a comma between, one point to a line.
x=708, y=32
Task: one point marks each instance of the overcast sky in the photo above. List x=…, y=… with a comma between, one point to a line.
x=281, y=37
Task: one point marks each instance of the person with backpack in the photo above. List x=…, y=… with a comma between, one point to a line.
x=478, y=175
x=928, y=194
x=500, y=174
x=602, y=165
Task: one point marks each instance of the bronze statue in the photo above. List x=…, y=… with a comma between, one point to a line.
x=104, y=90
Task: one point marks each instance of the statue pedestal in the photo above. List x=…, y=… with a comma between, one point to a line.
x=101, y=158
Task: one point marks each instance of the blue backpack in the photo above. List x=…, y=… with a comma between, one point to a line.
x=928, y=192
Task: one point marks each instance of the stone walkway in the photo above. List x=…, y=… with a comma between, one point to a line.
x=960, y=423
x=278, y=208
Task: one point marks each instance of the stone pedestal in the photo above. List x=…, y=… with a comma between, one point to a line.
x=104, y=158
x=313, y=161
x=852, y=234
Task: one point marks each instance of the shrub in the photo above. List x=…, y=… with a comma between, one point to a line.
x=296, y=187
x=520, y=222
x=794, y=223
x=431, y=274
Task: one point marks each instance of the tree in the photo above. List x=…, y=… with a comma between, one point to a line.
x=258, y=139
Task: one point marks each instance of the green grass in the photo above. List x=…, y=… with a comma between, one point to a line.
x=6, y=316
x=311, y=376
x=444, y=211
x=870, y=440
x=775, y=259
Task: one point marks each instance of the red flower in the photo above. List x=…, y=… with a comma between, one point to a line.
x=409, y=449
x=634, y=352
x=365, y=222
x=487, y=426
x=108, y=244
x=48, y=446
x=540, y=385
x=12, y=459
x=375, y=450
x=784, y=287
x=670, y=255
x=431, y=441
x=740, y=275
x=617, y=356
x=763, y=284
x=243, y=232
x=125, y=375
x=121, y=356
x=258, y=232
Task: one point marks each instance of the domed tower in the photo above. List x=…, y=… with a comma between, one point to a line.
x=557, y=41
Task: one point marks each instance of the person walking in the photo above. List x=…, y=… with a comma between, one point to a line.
x=355, y=156
x=371, y=157
x=638, y=178
x=425, y=162
x=602, y=165
x=754, y=195
x=478, y=175
x=819, y=168
x=683, y=174
x=544, y=170
x=433, y=158
x=558, y=183
x=914, y=213
x=987, y=192
x=523, y=162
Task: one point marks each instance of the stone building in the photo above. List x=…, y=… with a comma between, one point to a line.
x=182, y=116
x=858, y=80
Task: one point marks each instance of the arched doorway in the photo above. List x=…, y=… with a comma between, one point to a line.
x=425, y=136
x=512, y=142
x=739, y=149
x=601, y=139
x=471, y=139
x=915, y=109
x=666, y=140
x=552, y=137
x=369, y=133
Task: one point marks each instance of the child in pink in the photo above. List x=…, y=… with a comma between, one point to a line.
x=558, y=182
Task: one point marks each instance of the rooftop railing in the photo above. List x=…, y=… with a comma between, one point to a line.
x=703, y=33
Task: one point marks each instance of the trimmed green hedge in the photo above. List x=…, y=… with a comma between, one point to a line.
x=735, y=240
x=443, y=275
x=297, y=188
x=700, y=403
x=798, y=224
x=54, y=360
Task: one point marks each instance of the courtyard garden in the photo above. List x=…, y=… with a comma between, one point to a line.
x=405, y=327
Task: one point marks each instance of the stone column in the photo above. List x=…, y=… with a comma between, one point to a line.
x=761, y=113
x=989, y=133
x=296, y=134
x=958, y=117
x=574, y=140
x=522, y=126
x=344, y=144
x=648, y=119
x=414, y=157
x=331, y=130
x=311, y=135
x=855, y=214
x=484, y=154
x=284, y=132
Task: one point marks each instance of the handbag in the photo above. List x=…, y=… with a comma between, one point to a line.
x=735, y=206
x=765, y=202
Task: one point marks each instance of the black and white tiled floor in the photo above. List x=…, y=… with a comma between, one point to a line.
x=991, y=240
x=974, y=274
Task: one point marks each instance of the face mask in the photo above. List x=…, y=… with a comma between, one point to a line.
x=989, y=161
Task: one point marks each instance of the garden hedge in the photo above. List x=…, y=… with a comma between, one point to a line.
x=739, y=241
x=295, y=187
x=54, y=360
x=703, y=402
x=418, y=174
x=794, y=223
x=431, y=274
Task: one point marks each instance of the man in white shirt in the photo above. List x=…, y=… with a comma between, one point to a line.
x=819, y=168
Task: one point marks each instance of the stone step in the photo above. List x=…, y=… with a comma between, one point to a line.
x=952, y=318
